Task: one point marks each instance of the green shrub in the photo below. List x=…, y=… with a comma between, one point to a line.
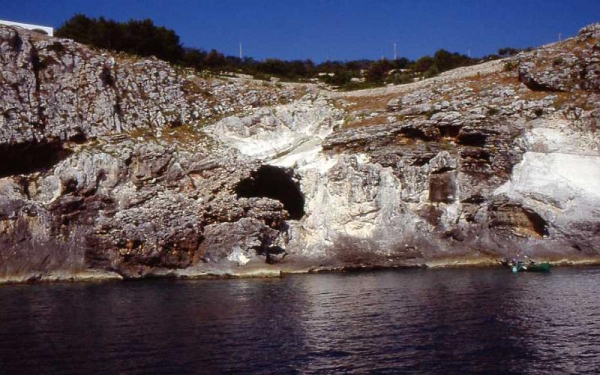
x=509, y=66
x=431, y=72
x=141, y=38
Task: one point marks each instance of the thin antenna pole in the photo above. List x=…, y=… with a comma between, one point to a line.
x=241, y=54
x=395, y=55
x=469, y=52
x=559, y=37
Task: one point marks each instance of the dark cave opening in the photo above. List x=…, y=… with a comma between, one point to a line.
x=275, y=183
x=25, y=158
x=472, y=138
x=540, y=226
x=415, y=134
x=449, y=131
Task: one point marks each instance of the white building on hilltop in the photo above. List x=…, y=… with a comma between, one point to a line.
x=41, y=29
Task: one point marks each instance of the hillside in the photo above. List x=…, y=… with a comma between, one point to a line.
x=115, y=166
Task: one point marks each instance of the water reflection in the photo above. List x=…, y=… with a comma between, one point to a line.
x=487, y=321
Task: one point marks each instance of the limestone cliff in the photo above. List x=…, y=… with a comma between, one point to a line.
x=114, y=165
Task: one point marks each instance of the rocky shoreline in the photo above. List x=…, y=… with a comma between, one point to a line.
x=123, y=168
x=277, y=271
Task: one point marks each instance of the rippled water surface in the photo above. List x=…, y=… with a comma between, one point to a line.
x=445, y=321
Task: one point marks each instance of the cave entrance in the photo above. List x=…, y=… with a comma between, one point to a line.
x=275, y=183
x=471, y=138
x=25, y=158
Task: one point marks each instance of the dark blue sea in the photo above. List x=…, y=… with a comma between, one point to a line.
x=407, y=321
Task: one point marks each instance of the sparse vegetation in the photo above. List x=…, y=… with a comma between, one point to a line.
x=431, y=72
x=143, y=38
x=492, y=111
x=509, y=66
x=136, y=37
x=559, y=102
x=447, y=146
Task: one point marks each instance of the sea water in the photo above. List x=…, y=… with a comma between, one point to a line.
x=433, y=321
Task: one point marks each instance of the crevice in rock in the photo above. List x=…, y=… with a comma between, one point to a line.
x=117, y=108
x=474, y=199
x=472, y=138
x=422, y=160
x=475, y=154
x=443, y=170
x=415, y=134
x=57, y=47
x=431, y=214
x=272, y=253
x=16, y=43
x=449, y=131
x=442, y=187
x=528, y=80
x=109, y=80
x=175, y=124
x=37, y=66
x=106, y=77
x=24, y=183
x=78, y=137
x=26, y=158
x=275, y=183
x=540, y=226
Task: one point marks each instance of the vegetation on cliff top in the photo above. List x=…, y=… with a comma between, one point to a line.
x=143, y=38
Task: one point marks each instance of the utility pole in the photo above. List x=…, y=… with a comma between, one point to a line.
x=241, y=54
x=395, y=55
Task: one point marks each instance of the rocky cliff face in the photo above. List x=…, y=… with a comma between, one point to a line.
x=113, y=165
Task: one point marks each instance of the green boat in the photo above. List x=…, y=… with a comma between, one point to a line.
x=538, y=267
x=528, y=266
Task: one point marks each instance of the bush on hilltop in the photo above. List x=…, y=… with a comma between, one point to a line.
x=143, y=38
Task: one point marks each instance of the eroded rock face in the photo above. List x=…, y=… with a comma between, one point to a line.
x=106, y=166
x=563, y=66
x=132, y=167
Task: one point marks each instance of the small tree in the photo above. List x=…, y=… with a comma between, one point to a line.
x=423, y=64
x=136, y=37
x=378, y=71
x=431, y=72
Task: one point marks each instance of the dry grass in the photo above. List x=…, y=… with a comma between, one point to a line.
x=484, y=82
x=402, y=139
x=372, y=103
x=368, y=121
x=185, y=135
x=561, y=99
x=536, y=95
